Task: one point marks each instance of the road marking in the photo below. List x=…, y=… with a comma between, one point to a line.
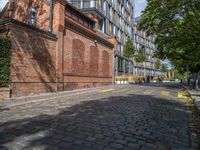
x=183, y=95
x=107, y=90
x=165, y=93
x=148, y=92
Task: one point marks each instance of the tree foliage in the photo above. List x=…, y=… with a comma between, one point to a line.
x=140, y=56
x=179, y=76
x=5, y=52
x=164, y=68
x=176, y=25
x=129, y=49
x=158, y=64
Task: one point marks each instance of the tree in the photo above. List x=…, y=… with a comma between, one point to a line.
x=164, y=68
x=140, y=57
x=158, y=64
x=176, y=25
x=129, y=49
x=178, y=75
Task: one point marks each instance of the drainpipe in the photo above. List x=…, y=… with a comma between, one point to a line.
x=50, y=14
x=113, y=61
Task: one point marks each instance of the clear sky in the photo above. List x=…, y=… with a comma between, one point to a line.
x=139, y=6
x=2, y=3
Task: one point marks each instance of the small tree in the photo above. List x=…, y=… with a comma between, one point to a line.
x=158, y=64
x=129, y=49
x=140, y=57
x=164, y=68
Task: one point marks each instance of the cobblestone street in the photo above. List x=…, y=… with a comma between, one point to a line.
x=128, y=117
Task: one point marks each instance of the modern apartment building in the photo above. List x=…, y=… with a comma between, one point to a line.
x=147, y=43
x=115, y=17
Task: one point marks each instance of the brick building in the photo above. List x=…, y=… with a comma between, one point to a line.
x=55, y=48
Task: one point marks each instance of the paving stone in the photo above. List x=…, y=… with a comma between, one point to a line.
x=88, y=144
x=124, y=119
x=123, y=142
x=116, y=145
x=97, y=147
x=133, y=145
x=91, y=139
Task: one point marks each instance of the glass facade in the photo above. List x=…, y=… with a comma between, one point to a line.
x=142, y=41
x=115, y=17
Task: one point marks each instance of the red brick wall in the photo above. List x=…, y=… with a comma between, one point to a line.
x=33, y=62
x=85, y=64
x=19, y=10
x=41, y=63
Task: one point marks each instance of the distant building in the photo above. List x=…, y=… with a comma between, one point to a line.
x=147, y=43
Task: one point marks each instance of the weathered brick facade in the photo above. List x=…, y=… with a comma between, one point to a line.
x=69, y=58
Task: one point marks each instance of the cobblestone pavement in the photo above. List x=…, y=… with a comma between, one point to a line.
x=126, y=118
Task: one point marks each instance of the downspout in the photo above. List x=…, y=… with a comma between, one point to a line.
x=50, y=14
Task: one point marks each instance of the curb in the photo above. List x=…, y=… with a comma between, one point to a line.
x=46, y=97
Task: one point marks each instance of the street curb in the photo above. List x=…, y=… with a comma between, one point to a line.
x=193, y=98
x=47, y=96
x=193, y=135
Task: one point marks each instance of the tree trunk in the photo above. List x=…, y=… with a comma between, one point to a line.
x=196, y=81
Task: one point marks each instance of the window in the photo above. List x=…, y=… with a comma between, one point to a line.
x=86, y=4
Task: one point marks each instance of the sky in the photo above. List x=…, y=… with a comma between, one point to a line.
x=2, y=3
x=139, y=6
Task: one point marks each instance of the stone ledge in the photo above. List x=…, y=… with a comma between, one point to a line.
x=8, y=21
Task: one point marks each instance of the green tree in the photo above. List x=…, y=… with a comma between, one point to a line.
x=178, y=75
x=158, y=64
x=176, y=25
x=5, y=54
x=164, y=68
x=129, y=49
x=140, y=56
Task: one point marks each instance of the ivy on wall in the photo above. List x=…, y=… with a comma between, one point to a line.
x=5, y=54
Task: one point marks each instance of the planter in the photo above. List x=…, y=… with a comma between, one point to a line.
x=4, y=93
x=125, y=82
x=131, y=82
x=121, y=82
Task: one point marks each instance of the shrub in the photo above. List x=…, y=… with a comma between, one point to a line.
x=5, y=54
x=121, y=78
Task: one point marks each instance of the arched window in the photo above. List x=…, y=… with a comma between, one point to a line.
x=105, y=64
x=94, y=60
x=78, y=50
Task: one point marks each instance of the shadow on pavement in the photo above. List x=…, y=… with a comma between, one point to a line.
x=120, y=121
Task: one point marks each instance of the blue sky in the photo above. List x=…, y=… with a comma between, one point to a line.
x=2, y=3
x=139, y=6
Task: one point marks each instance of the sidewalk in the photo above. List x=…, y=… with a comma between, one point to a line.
x=47, y=96
x=195, y=94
